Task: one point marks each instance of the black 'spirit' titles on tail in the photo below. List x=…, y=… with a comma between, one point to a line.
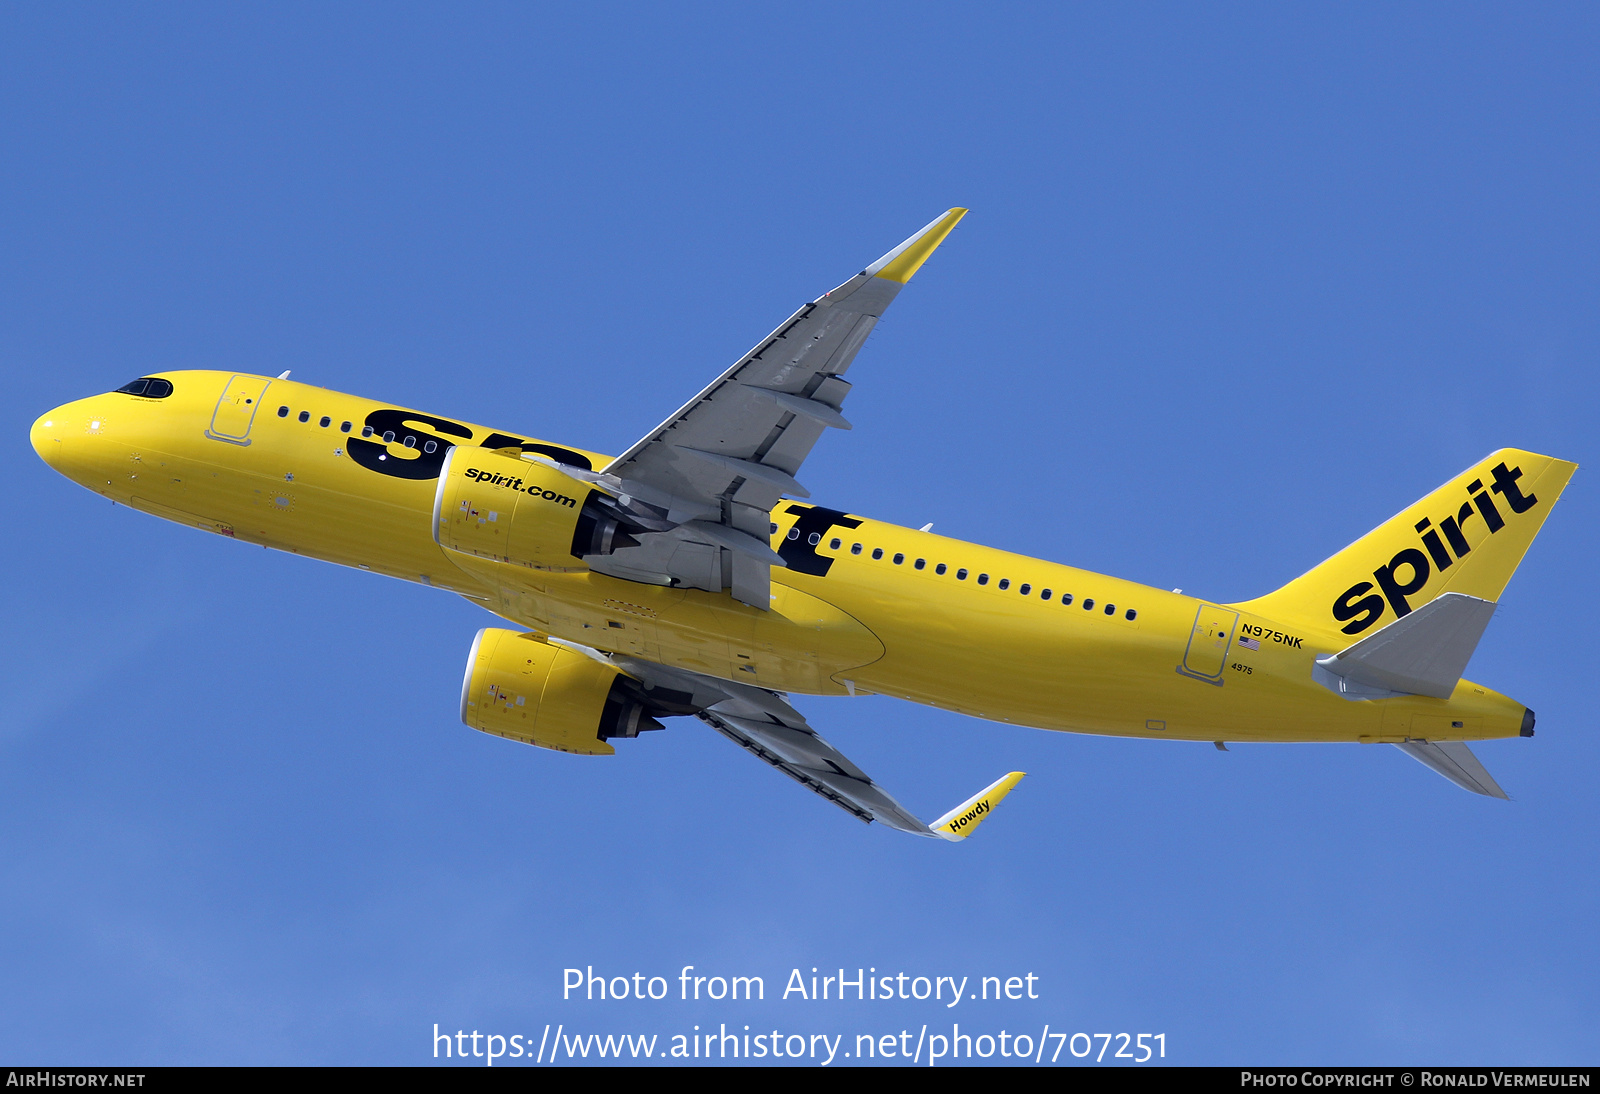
x=1408, y=571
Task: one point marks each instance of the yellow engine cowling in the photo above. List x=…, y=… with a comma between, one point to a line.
x=519, y=686
x=513, y=510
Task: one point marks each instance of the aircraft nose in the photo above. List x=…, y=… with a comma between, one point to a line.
x=64, y=438
x=46, y=436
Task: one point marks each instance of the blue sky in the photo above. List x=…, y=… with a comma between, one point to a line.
x=1239, y=282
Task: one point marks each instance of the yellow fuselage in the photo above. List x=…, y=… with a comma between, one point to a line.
x=895, y=619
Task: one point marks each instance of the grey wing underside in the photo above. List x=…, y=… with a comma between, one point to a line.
x=812, y=762
x=764, y=724
x=698, y=490
x=717, y=467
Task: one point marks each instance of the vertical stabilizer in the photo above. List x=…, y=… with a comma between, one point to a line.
x=1466, y=537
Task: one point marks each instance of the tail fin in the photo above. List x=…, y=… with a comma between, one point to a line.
x=1466, y=537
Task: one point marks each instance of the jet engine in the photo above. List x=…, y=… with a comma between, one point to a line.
x=513, y=510
x=520, y=686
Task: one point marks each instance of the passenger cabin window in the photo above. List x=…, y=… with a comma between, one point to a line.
x=305, y=415
x=1131, y=616
x=150, y=387
x=283, y=412
x=366, y=431
x=961, y=574
x=1111, y=609
x=877, y=552
x=983, y=579
x=431, y=446
x=920, y=563
x=899, y=558
x=833, y=544
x=855, y=548
x=388, y=436
x=814, y=538
x=1005, y=583
x=344, y=427
x=1088, y=604
x=1044, y=594
x=1025, y=589
x=326, y=422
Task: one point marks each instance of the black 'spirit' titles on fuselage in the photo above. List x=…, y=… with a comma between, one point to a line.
x=799, y=552
x=491, y=479
x=970, y=815
x=1408, y=571
x=374, y=454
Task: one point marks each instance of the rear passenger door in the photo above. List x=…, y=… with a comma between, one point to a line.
x=1209, y=641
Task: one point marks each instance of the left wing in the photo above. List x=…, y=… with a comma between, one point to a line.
x=764, y=724
x=694, y=497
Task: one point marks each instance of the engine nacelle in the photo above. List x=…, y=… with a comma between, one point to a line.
x=513, y=510
x=519, y=686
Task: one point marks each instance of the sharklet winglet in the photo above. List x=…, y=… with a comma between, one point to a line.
x=899, y=264
x=959, y=822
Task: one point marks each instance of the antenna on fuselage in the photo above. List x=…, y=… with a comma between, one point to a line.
x=284, y=375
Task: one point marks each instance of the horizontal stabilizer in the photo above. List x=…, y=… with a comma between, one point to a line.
x=1455, y=761
x=960, y=821
x=1422, y=653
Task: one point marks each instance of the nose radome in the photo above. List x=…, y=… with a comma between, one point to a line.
x=60, y=436
x=46, y=436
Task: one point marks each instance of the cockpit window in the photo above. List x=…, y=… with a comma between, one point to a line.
x=151, y=387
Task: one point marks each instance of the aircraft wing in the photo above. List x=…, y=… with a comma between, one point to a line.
x=700, y=487
x=764, y=724
x=800, y=753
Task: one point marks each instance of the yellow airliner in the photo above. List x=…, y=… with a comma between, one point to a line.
x=680, y=579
